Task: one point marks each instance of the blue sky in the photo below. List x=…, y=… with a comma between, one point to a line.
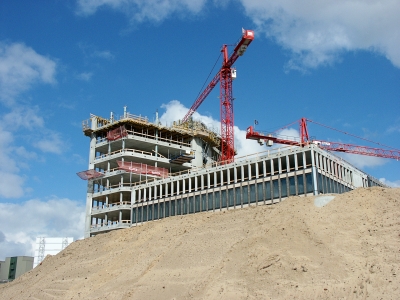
x=334, y=62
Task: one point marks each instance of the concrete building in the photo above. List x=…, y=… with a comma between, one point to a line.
x=141, y=171
x=13, y=267
x=49, y=246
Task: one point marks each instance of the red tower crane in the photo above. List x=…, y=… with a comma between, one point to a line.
x=269, y=139
x=225, y=76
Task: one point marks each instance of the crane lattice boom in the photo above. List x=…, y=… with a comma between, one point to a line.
x=269, y=139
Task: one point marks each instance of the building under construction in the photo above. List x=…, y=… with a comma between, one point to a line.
x=141, y=171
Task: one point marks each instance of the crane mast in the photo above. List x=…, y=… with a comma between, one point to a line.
x=224, y=76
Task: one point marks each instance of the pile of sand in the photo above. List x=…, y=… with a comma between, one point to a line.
x=347, y=249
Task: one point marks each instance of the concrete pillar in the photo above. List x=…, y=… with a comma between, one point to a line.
x=133, y=197
x=314, y=173
x=89, y=193
x=272, y=166
x=264, y=168
x=256, y=165
x=215, y=178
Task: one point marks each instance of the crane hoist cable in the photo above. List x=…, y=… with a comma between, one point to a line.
x=202, y=88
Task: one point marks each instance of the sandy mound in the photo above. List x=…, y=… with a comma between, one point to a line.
x=347, y=249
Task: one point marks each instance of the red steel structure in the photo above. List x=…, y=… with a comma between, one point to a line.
x=331, y=146
x=225, y=76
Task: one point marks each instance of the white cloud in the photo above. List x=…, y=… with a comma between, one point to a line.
x=143, y=10
x=394, y=184
x=315, y=32
x=41, y=218
x=51, y=143
x=103, y=54
x=20, y=67
x=11, y=185
x=23, y=116
x=362, y=161
x=318, y=32
x=85, y=76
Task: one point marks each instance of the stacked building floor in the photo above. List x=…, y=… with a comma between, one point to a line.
x=141, y=171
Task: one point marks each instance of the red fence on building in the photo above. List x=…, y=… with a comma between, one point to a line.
x=117, y=133
x=139, y=168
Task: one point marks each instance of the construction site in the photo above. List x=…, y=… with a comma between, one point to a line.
x=141, y=171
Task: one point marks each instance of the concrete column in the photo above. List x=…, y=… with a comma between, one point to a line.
x=235, y=174
x=287, y=164
x=296, y=163
x=208, y=181
x=133, y=197
x=280, y=164
x=314, y=173
x=242, y=172
x=215, y=178
x=256, y=165
x=264, y=168
x=89, y=194
x=272, y=166
x=249, y=170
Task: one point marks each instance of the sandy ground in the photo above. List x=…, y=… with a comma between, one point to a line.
x=347, y=249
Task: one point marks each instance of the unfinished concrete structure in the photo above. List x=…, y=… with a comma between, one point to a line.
x=141, y=171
